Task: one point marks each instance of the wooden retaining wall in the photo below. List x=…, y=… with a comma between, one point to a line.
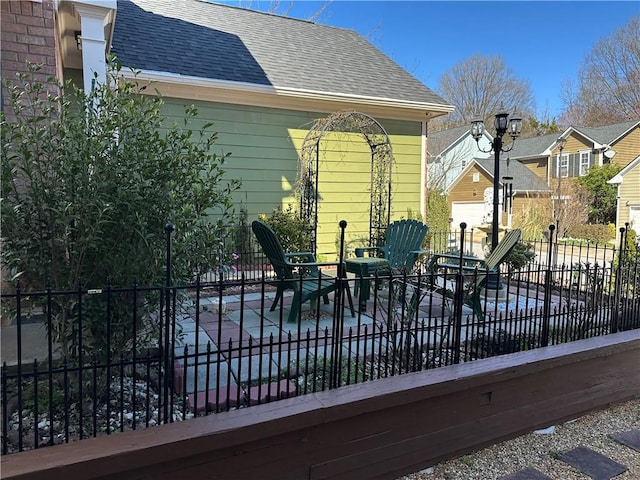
x=380, y=429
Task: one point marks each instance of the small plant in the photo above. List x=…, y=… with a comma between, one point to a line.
x=555, y=454
x=467, y=460
x=520, y=256
x=314, y=375
x=501, y=342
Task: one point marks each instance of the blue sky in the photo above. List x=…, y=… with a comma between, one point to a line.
x=544, y=42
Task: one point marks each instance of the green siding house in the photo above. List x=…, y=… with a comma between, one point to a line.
x=263, y=80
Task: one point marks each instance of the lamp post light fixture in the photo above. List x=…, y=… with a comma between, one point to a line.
x=502, y=124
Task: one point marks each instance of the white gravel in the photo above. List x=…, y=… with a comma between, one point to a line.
x=541, y=451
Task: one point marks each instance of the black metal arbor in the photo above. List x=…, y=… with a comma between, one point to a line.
x=381, y=169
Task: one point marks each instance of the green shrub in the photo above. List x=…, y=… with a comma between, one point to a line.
x=89, y=181
x=293, y=232
x=595, y=233
x=437, y=219
x=520, y=256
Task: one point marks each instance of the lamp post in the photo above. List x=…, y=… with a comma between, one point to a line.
x=502, y=124
x=558, y=211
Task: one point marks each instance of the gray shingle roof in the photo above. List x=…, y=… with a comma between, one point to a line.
x=442, y=140
x=212, y=41
x=524, y=180
x=606, y=134
x=531, y=147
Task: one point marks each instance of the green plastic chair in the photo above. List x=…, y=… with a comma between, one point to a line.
x=308, y=284
x=402, y=247
x=476, y=268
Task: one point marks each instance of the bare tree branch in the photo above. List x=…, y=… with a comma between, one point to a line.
x=484, y=85
x=608, y=87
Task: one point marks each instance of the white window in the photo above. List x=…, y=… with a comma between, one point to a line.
x=585, y=162
x=563, y=166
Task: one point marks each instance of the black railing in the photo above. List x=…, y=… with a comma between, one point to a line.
x=246, y=257
x=83, y=363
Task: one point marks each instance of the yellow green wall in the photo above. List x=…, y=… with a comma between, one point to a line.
x=265, y=144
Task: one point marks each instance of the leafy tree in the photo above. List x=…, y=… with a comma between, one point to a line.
x=484, y=85
x=603, y=206
x=608, y=87
x=89, y=181
x=533, y=127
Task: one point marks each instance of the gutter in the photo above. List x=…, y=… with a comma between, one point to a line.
x=185, y=80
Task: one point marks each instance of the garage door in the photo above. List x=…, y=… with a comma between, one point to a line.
x=470, y=212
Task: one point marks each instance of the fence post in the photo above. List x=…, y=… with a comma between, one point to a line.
x=19, y=360
x=167, y=350
x=617, y=288
x=546, y=317
x=458, y=299
x=338, y=317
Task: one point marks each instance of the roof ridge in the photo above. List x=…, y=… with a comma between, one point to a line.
x=273, y=14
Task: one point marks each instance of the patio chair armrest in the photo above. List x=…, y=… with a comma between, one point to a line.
x=452, y=260
x=312, y=263
x=308, y=256
x=360, y=251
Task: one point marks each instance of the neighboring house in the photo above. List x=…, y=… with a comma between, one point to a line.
x=534, y=153
x=618, y=144
x=263, y=79
x=585, y=147
x=470, y=196
x=628, y=184
x=449, y=153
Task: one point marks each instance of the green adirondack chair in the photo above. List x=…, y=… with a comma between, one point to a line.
x=402, y=247
x=475, y=268
x=313, y=283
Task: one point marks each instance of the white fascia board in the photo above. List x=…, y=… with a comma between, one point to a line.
x=464, y=171
x=109, y=4
x=154, y=76
x=624, y=133
x=529, y=157
x=596, y=145
x=488, y=172
x=616, y=180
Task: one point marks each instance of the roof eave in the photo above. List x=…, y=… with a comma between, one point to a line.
x=427, y=110
x=635, y=125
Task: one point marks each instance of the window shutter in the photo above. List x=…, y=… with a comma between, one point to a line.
x=554, y=166
x=575, y=164
x=591, y=159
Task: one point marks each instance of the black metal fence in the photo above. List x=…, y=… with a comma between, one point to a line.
x=247, y=260
x=78, y=364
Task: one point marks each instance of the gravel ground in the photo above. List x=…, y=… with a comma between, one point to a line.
x=541, y=451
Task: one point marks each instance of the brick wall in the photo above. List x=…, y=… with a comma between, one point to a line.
x=28, y=35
